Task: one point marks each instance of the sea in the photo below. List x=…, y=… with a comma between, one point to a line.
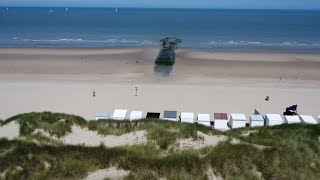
x=204, y=29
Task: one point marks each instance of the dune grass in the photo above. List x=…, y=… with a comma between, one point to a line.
x=290, y=151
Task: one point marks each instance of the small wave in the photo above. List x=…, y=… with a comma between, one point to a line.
x=82, y=40
x=147, y=42
x=112, y=40
x=53, y=40
x=257, y=43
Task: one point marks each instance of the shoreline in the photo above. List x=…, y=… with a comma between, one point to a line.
x=227, y=50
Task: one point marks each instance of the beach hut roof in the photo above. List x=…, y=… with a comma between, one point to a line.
x=256, y=118
x=170, y=114
x=307, y=119
x=102, y=114
x=274, y=117
x=119, y=113
x=153, y=115
x=136, y=113
x=292, y=118
x=238, y=116
x=203, y=117
x=256, y=112
x=220, y=116
x=187, y=115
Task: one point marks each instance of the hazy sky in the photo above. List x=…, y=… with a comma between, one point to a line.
x=241, y=4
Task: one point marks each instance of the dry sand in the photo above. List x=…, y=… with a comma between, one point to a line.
x=202, y=141
x=62, y=80
x=110, y=173
x=80, y=136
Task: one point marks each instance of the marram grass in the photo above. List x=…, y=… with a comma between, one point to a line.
x=289, y=151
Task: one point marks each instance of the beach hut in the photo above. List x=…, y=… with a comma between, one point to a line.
x=119, y=114
x=256, y=120
x=135, y=115
x=204, y=119
x=170, y=115
x=292, y=119
x=237, y=120
x=153, y=115
x=102, y=115
x=220, y=121
x=273, y=119
x=308, y=119
x=187, y=117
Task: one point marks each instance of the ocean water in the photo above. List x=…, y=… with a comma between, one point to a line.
x=229, y=30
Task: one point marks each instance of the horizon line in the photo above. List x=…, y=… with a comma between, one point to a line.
x=202, y=8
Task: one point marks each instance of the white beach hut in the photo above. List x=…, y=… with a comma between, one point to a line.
x=170, y=115
x=187, y=117
x=237, y=120
x=204, y=119
x=256, y=120
x=292, y=119
x=102, y=115
x=308, y=119
x=273, y=119
x=221, y=121
x=135, y=115
x=119, y=114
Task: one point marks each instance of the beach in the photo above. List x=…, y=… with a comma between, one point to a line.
x=63, y=80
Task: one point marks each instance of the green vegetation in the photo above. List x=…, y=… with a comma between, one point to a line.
x=167, y=55
x=280, y=152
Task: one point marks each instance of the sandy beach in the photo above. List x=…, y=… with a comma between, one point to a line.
x=62, y=80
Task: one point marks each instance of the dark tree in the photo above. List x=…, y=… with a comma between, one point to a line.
x=167, y=54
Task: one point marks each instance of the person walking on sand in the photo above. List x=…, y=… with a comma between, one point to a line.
x=94, y=94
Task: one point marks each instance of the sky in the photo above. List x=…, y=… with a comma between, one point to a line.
x=229, y=4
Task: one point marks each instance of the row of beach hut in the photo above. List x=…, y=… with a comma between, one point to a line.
x=219, y=121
